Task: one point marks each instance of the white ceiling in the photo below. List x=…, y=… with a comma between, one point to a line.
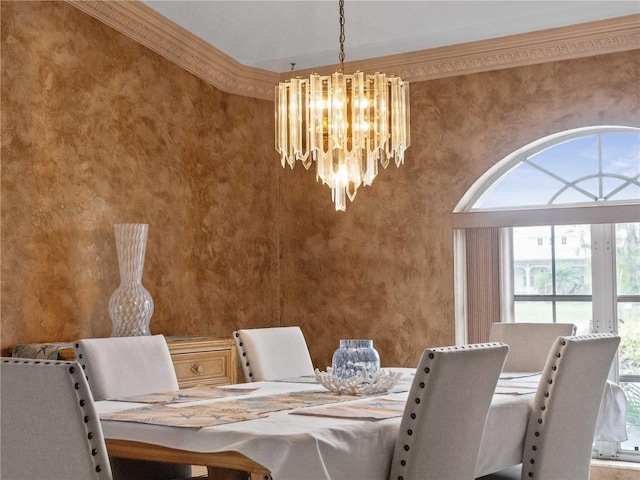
x=271, y=34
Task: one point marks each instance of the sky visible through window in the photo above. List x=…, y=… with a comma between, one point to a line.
x=596, y=167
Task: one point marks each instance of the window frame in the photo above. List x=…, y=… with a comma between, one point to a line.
x=599, y=216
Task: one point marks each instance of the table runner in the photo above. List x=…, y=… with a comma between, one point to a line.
x=222, y=412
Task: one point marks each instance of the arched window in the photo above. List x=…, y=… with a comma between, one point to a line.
x=551, y=233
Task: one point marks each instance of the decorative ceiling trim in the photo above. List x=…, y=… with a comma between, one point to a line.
x=563, y=43
x=149, y=28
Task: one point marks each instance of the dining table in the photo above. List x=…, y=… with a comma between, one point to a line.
x=296, y=429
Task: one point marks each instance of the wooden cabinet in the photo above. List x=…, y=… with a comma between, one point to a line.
x=204, y=361
x=197, y=360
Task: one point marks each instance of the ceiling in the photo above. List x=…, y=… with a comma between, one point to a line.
x=272, y=35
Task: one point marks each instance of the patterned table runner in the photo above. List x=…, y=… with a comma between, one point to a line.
x=219, y=413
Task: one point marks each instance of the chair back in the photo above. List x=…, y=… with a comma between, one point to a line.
x=529, y=343
x=49, y=426
x=447, y=407
x=127, y=366
x=562, y=423
x=273, y=353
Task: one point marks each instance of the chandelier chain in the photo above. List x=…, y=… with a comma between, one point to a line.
x=341, y=55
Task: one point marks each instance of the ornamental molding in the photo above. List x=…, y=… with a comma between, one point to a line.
x=149, y=28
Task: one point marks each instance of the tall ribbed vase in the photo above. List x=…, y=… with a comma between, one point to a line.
x=131, y=305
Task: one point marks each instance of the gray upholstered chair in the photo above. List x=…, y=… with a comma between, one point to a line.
x=529, y=343
x=273, y=353
x=447, y=407
x=50, y=429
x=563, y=418
x=126, y=366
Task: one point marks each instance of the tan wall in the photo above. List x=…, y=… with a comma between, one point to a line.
x=98, y=130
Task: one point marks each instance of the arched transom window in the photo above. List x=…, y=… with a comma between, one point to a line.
x=579, y=167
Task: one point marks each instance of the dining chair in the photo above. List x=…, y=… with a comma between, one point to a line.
x=565, y=409
x=49, y=426
x=127, y=366
x=442, y=424
x=529, y=343
x=273, y=353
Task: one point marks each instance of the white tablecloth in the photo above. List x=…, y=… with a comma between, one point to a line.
x=300, y=447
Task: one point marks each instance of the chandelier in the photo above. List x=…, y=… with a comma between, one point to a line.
x=346, y=124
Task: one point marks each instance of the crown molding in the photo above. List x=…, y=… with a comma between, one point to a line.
x=556, y=44
x=149, y=28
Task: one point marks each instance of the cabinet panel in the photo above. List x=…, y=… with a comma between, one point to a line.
x=204, y=361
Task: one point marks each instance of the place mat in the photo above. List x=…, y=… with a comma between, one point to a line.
x=374, y=409
x=223, y=412
x=300, y=379
x=192, y=394
x=509, y=390
x=512, y=375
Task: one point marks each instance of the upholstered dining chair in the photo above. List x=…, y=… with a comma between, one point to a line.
x=441, y=428
x=49, y=427
x=529, y=343
x=126, y=366
x=273, y=353
x=565, y=409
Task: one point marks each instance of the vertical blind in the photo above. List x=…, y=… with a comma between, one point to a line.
x=483, y=281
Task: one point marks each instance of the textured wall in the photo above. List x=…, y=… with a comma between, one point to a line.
x=98, y=130
x=384, y=268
